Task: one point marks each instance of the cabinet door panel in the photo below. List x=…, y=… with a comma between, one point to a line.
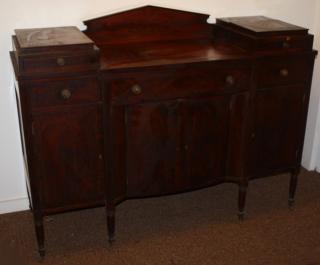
x=278, y=121
x=151, y=148
x=205, y=133
x=68, y=149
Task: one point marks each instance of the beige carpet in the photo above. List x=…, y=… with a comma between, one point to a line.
x=193, y=228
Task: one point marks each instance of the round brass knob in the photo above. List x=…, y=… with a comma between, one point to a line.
x=136, y=89
x=61, y=61
x=284, y=72
x=65, y=93
x=230, y=81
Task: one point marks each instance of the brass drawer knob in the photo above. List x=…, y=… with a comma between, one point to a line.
x=61, y=61
x=65, y=94
x=284, y=72
x=136, y=89
x=230, y=81
x=286, y=45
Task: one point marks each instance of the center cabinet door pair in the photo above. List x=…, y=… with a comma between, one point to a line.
x=177, y=129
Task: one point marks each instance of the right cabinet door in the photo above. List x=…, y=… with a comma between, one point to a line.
x=278, y=117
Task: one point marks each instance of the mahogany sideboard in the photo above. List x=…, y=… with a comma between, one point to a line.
x=156, y=101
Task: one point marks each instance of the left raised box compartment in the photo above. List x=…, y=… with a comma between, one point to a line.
x=60, y=109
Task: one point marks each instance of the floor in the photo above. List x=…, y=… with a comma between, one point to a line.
x=199, y=227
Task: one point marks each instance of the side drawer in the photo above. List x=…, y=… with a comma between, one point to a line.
x=32, y=65
x=280, y=71
x=179, y=82
x=65, y=92
x=285, y=43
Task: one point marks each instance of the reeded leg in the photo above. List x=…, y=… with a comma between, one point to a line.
x=242, y=200
x=293, y=187
x=110, y=208
x=38, y=221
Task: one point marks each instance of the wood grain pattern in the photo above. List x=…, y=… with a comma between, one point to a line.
x=68, y=150
x=147, y=24
x=261, y=24
x=44, y=37
x=50, y=93
x=278, y=115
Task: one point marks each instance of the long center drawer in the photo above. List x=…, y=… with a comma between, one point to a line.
x=194, y=80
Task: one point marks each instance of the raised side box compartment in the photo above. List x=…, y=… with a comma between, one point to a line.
x=261, y=34
x=53, y=51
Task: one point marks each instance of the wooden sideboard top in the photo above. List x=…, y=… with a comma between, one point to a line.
x=48, y=37
x=153, y=36
x=261, y=25
x=166, y=53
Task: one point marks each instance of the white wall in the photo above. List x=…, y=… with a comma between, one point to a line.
x=311, y=154
x=46, y=13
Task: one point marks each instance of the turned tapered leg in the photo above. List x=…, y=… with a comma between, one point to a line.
x=38, y=222
x=293, y=187
x=242, y=200
x=110, y=208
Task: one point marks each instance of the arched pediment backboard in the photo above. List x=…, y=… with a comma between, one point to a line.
x=148, y=23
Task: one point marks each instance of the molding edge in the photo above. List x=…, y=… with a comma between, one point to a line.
x=14, y=205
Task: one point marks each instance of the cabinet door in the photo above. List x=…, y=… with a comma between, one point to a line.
x=278, y=121
x=205, y=134
x=68, y=150
x=152, y=164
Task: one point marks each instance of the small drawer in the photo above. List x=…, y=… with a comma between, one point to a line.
x=279, y=71
x=285, y=43
x=34, y=65
x=65, y=92
x=194, y=80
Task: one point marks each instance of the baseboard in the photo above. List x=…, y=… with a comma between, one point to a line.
x=14, y=205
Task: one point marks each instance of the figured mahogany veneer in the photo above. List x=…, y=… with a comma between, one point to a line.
x=155, y=101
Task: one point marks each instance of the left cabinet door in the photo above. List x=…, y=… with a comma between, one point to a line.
x=152, y=148
x=68, y=148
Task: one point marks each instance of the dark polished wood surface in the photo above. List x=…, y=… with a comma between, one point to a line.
x=158, y=102
x=166, y=53
x=44, y=37
x=261, y=24
x=148, y=24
